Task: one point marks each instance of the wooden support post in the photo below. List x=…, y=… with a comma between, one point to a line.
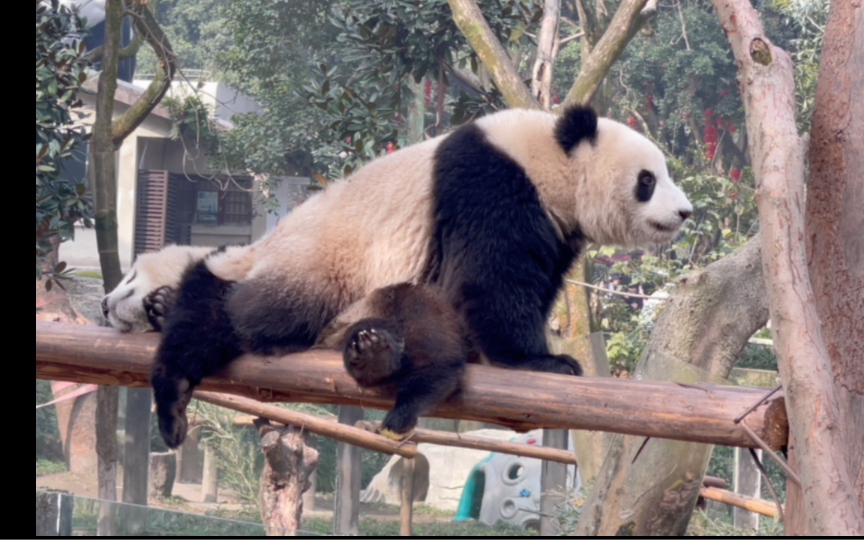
x=346, y=503
x=516, y=399
x=136, y=461
x=288, y=463
x=210, y=483
x=553, y=483
x=406, y=513
x=309, y=494
x=53, y=514
x=748, y=483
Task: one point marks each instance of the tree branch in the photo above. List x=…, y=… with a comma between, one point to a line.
x=473, y=25
x=767, y=88
x=541, y=74
x=629, y=18
x=150, y=31
x=516, y=399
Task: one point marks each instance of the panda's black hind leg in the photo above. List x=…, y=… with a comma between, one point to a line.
x=372, y=352
x=418, y=392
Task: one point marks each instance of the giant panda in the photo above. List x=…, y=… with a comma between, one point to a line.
x=487, y=219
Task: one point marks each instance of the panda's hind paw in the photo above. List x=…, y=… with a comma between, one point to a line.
x=393, y=436
x=157, y=305
x=371, y=355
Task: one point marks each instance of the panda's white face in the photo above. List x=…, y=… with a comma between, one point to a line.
x=615, y=189
x=627, y=197
x=123, y=308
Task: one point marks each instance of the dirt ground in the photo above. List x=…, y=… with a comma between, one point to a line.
x=187, y=498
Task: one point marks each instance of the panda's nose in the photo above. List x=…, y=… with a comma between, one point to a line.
x=105, y=308
x=685, y=214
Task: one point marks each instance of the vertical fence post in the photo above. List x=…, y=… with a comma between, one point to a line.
x=346, y=503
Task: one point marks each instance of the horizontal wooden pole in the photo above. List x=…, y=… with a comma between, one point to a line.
x=516, y=399
x=766, y=508
x=444, y=438
x=319, y=426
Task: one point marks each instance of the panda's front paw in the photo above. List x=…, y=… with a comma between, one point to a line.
x=173, y=423
x=371, y=355
x=157, y=305
x=569, y=365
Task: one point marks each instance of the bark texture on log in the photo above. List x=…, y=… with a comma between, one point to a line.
x=698, y=335
x=515, y=399
x=767, y=87
x=288, y=464
x=835, y=219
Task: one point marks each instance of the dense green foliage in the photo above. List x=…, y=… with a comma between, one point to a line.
x=60, y=71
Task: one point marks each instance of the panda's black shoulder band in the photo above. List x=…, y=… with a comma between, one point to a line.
x=575, y=125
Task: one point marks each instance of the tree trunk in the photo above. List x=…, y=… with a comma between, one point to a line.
x=288, y=463
x=541, y=74
x=650, y=488
x=818, y=433
x=101, y=170
x=834, y=222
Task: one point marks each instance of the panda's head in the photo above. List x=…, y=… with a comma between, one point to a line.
x=124, y=309
x=624, y=195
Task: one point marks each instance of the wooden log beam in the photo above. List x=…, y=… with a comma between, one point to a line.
x=319, y=426
x=458, y=440
x=519, y=400
x=759, y=506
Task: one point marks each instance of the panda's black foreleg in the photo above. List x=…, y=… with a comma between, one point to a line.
x=197, y=341
x=562, y=364
x=514, y=337
x=418, y=392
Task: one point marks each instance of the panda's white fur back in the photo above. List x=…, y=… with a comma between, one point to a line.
x=356, y=236
x=372, y=230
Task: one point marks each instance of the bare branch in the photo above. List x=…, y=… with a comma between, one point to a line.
x=473, y=25
x=626, y=22
x=150, y=31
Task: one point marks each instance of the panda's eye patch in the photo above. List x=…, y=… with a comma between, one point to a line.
x=645, y=186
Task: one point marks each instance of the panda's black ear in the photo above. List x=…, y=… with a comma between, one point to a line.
x=575, y=125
